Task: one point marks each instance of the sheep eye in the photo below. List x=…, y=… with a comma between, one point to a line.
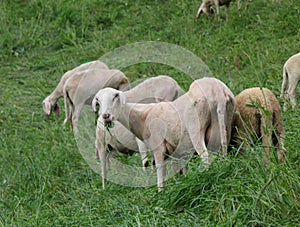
x=116, y=96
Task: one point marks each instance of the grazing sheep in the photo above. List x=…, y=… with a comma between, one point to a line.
x=50, y=102
x=200, y=119
x=206, y=7
x=291, y=77
x=258, y=115
x=82, y=87
x=119, y=138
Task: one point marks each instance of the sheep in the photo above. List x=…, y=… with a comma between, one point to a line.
x=82, y=87
x=291, y=77
x=258, y=115
x=200, y=119
x=50, y=102
x=206, y=7
x=119, y=138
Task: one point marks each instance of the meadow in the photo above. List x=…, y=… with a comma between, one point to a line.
x=45, y=181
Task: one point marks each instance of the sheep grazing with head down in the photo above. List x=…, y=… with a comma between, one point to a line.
x=198, y=120
x=50, y=102
x=258, y=116
x=206, y=7
x=291, y=77
x=119, y=138
x=81, y=88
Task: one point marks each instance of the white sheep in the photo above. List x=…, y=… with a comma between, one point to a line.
x=50, y=102
x=200, y=119
x=258, y=116
x=81, y=88
x=119, y=138
x=206, y=7
x=291, y=77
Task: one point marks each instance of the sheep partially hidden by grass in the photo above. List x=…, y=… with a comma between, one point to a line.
x=50, y=102
x=198, y=120
x=258, y=117
x=291, y=77
x=119, y=138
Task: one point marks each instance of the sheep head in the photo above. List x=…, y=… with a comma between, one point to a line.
x=49, y=106
x=205, y=8
x=110, y=102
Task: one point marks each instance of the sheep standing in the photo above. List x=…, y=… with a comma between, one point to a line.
x=50, y=102
x=82, y=87
x=258, y=115
x=206, y=7
x=200, y=119
x=291, y=77
x=119, y=138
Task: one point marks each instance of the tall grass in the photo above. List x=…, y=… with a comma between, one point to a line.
x=43, y=178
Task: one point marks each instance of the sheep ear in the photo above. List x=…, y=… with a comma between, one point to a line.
x=122, y=98
x=56, y=109
x=47, y=107
x=200, y=11
x=124, y=85
x=94, y=104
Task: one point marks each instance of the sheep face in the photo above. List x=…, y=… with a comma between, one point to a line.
x=49, y=106
x=205, y=8
x=110, y=102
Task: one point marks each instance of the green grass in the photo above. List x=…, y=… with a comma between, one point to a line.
x=45, y=181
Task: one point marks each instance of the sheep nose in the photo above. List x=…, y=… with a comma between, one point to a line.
x=105, y=116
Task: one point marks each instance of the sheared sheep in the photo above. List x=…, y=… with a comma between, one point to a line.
x=50, y=102
x=200, y=119
x=206, y=7
x=291, y=77
x=82, y=87
x=119, y=138
x=258, y=116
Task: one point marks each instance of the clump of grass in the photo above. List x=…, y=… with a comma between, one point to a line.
x=241, y=190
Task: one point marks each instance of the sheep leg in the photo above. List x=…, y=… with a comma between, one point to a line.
x=227, y=11
x=247, y=4
x=159, y=154
x=103, y=161
x=279, y=134
x=198, y=141
x=266, y=133
x=143, y=153
x=283, y=88
x=239, y=5
x=217, y=3
x=68, y=113
x=222, y=128
x=292, y=92
x=75, y=117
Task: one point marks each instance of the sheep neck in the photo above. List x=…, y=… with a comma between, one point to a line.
x=54, y=96
x=133, y=118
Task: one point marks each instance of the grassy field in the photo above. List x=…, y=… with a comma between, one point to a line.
x=45, y=181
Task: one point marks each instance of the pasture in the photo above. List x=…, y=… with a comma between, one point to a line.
x=45, y=181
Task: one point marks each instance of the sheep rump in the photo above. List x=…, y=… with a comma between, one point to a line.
x=291, y=77
x=258, y=116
